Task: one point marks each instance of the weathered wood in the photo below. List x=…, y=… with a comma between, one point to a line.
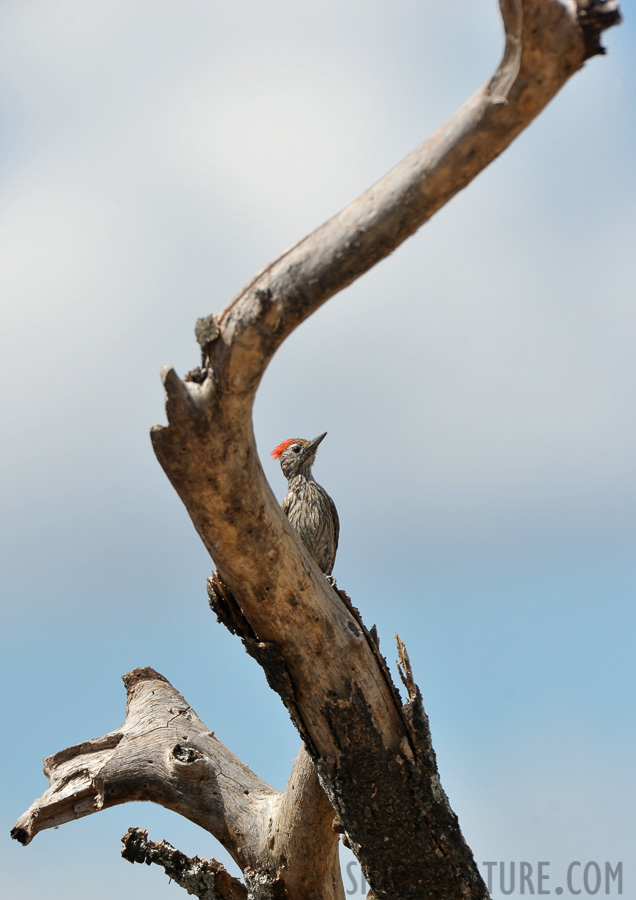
x=164, y=752
x=374, y=757
x=372, y=753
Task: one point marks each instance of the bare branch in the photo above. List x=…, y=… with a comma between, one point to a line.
x=374, y=757
x=164, y=753
x=303, y=820
x=373, y=754
x=206, y=879
x=544, y=47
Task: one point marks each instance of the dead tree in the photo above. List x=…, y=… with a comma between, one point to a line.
x=366, y=768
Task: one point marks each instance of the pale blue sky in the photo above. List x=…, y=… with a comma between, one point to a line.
x=154, y=156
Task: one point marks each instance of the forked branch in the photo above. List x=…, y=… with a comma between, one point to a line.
x=373, y=754
x=374, y=760
x=163, y=752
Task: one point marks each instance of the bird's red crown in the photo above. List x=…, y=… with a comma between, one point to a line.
x=277, y=452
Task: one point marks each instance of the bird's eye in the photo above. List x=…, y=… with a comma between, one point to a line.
x=296, y=448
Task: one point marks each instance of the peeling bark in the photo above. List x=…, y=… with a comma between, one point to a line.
x=206, y=879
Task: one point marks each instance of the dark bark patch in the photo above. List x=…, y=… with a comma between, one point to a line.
x=595, y=17
x=227, y=609
x=397, y=818
x=268, y=656
x=203, y=878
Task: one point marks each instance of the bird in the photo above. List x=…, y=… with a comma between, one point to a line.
x=309, y=508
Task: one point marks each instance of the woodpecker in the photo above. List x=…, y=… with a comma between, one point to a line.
x=307, y=505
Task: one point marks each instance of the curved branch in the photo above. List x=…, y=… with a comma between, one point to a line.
x=374, y=757
x=544, y=46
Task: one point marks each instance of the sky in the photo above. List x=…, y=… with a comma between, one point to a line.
x=477, y=388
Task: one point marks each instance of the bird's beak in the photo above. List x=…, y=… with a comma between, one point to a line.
x=313, y=445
